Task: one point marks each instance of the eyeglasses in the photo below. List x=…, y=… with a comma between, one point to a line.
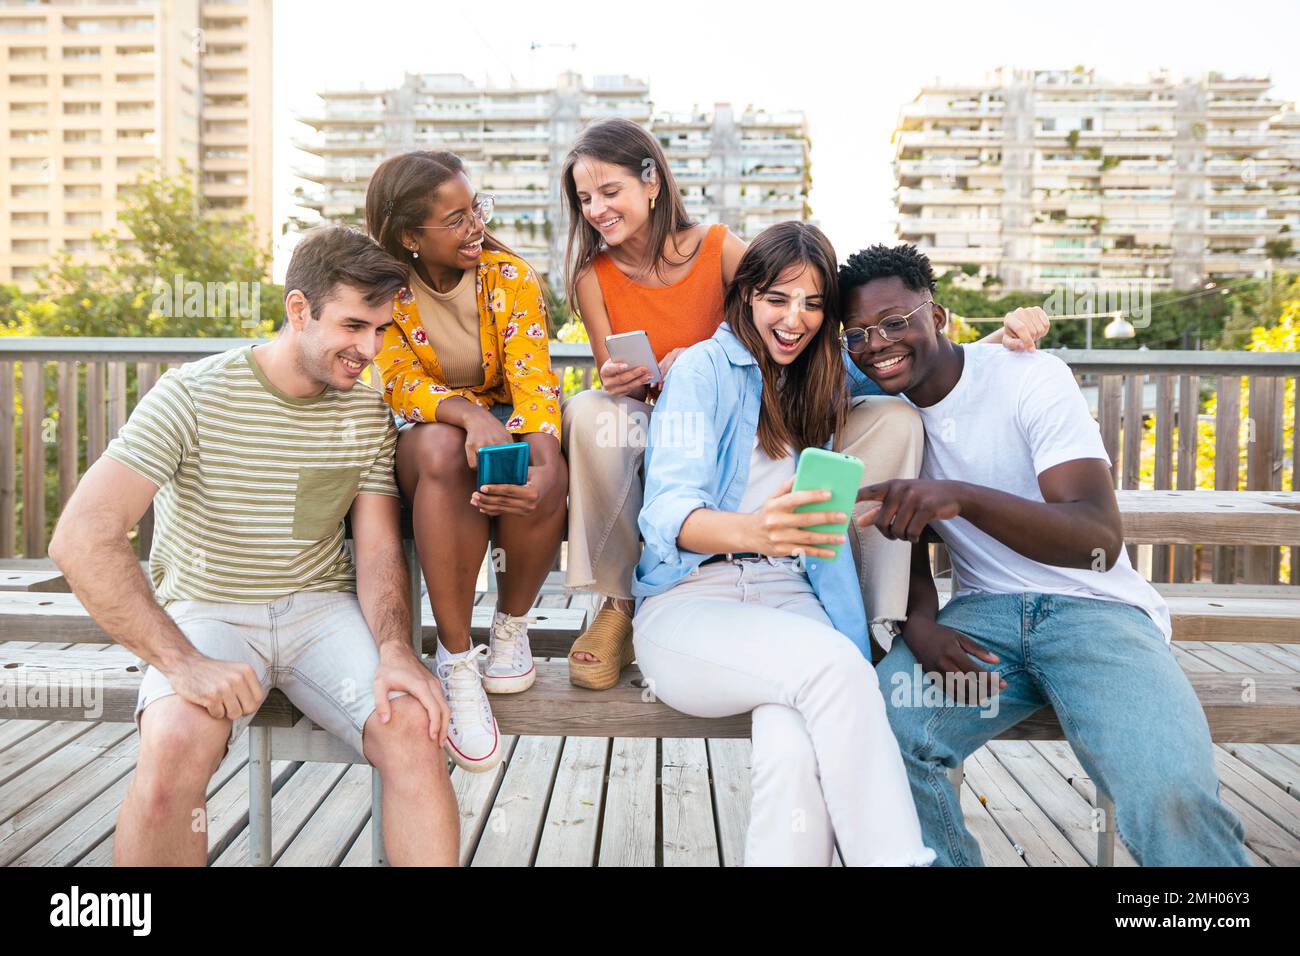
x=891, y=329
x=481, y=212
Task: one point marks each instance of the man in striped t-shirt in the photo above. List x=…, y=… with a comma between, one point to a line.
x=252, y=458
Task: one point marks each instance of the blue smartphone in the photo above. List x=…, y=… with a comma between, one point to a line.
x=503, y=464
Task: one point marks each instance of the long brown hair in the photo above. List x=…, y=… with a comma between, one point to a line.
x=401, y=193
x=804, y=402
x=620, y=142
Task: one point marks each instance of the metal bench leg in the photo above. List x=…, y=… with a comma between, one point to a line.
x=417, y=613
x=377, y=855
x=957, y=776
x=259, y=796
x=1105, y=830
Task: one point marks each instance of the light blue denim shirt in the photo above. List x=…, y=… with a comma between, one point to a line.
x=701, y=439
x=859, y=383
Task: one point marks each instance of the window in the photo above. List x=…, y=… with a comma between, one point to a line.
x=23, y=273
x=26, y=81
x=79, y=246
x=26, y=54
x=81, y=109
x=82, y=218
x=81, y=136
x=81, y=81
x=81, y=164
x=82, y=191
x=26, y=164
x=27, y=109
x=29, y=219
x=81, y=53
x=134, y=108
x=17, y=191
x=25, y=25
x=29, y=247
x=28, y=136
x=107, y=24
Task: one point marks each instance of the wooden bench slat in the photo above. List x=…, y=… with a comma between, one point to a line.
x=554, y=707
x=1199, y=612
x=60, y=618
x=1210, y=517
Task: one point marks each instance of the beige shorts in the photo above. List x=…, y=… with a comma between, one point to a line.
x=313, y=645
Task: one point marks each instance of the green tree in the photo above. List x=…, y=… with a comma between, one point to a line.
x=222, y=288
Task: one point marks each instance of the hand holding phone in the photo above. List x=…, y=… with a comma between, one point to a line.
x=503, y=464
x=633, y=350
x=832, y=472
x=783, y=526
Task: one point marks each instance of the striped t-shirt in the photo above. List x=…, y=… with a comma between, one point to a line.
x=253, y=485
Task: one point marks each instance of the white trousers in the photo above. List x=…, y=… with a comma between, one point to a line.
x=752, y=636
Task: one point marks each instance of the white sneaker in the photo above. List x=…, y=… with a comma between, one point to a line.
x=473, y=740
x=510, y=663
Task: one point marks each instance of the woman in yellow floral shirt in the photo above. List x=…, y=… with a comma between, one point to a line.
x=465, y=364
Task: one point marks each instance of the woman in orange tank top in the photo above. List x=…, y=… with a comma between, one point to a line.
x=637, y=261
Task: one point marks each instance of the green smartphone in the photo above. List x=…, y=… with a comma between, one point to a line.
x=841, y=475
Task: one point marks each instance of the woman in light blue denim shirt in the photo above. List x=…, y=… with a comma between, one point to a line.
x=740, y=607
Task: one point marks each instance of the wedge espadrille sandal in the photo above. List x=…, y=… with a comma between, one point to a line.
x=609, y=638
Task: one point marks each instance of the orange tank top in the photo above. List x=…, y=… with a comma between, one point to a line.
x=675, y=316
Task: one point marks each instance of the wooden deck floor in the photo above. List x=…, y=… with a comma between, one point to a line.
x=590, y=801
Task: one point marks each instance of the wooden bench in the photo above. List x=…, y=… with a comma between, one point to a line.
x=1240, y=707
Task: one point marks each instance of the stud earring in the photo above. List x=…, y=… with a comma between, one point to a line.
x=415, y=254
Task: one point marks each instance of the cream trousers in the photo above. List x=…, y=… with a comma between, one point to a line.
x=604, y=440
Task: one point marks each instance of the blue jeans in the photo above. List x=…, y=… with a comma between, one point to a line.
x=1123, y=702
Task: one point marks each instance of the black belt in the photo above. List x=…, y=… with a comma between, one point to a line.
x=733, y=556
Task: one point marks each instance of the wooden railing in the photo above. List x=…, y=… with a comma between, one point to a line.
x=64, y=417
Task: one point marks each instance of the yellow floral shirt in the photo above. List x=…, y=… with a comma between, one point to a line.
x=516, y=356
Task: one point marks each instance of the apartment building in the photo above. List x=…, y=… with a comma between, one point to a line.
x=94, y=92
x=1038, y=176
x=745, y=170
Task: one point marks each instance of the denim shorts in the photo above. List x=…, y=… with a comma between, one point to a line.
x=501, y=410
x=313, y=645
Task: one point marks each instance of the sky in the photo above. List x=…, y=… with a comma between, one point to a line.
x=849, y=65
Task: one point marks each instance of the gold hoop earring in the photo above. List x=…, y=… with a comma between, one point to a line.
x=652, y=203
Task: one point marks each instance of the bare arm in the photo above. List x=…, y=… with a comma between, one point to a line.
x=1021, y=330
x=1075, y=526
x=91, y=548
x=775, y=529
x=733, y=247
x=383, y=589
x=383, y=584
x=615, y=377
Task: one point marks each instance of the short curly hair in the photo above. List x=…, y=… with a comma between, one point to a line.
x=880, y=262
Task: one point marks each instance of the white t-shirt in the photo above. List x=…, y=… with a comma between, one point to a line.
x=1012, y=416
x=765, y=476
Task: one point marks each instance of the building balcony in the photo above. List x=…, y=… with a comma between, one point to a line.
x=909, y=196
x=1243, y=227
x=928, y=225
x=961, y=255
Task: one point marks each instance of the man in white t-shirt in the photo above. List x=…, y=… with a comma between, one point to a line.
x=1047, y=610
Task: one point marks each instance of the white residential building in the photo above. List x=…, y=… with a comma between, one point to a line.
x=1037, y=176
x=746, y=170
x=93, y=92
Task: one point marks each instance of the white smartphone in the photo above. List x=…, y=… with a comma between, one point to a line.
x=633, y=349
